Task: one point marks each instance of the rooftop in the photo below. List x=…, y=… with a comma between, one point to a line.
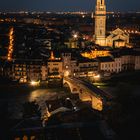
x=105, y=59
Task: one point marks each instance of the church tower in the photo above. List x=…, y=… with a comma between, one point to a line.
x=100, y=23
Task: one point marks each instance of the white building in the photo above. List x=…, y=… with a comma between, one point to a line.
x=109, y=64
x=117, y=38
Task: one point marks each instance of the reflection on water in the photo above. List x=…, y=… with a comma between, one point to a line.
x=39, y=95
x=42, y=94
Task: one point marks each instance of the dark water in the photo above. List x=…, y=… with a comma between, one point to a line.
x=16, y=96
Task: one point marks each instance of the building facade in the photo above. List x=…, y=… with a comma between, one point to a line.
x=117, y=38
x=26, y=70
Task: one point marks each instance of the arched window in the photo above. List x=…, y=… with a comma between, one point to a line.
x=101, y=2
x=100, y=32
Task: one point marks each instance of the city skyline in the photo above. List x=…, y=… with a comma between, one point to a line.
x=67, y=5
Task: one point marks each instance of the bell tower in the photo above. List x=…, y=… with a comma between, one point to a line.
x=100, y=23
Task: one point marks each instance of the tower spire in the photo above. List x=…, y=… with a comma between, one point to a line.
x=100, y=23
x=100, y=2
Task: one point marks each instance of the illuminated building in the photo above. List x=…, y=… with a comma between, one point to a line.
x=54, y=66
x=27, y=70
x=55, y=72
x=87, y=67
x=100, y=23
x=110, y=64
x=19, y=72
x=126, y=59
x=116, y=38
x=66, y=59
x=96, y=53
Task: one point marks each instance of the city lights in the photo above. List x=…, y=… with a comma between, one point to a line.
x=11, y=44
x=35, y=83
x=66, y=74
x=97, y=77
x=75, y=36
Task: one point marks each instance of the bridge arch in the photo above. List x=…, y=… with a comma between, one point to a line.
x=73, y=89
x=67, y=86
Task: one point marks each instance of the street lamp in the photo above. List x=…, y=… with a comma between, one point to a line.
x=75, y=36
x=67, y=73
x=97, y=77
x=35, y=83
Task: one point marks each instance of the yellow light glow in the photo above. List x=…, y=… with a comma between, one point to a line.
x=35, y=83
x=83, y=16
x=10, y=48
x=97, y=77
x=75, y=36
x=67, y=73
x=96, y=53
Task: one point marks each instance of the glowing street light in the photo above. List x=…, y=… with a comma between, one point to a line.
x=97, y=77
x=35, y=83
x=75, y=36
x=67, y=73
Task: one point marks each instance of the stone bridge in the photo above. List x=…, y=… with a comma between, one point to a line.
x=87, y=92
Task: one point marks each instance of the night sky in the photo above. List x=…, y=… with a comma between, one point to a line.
x=67, y=5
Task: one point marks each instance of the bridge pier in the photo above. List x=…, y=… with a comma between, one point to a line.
x=84, y=96
x=97, y=103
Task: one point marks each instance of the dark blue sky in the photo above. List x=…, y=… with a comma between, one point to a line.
x=67, y=5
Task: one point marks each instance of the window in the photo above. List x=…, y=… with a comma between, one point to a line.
x=55, y=64
x=100, y=32
x=55, y=69
x=102, y=65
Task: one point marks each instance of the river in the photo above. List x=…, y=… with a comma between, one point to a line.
x=16, y=95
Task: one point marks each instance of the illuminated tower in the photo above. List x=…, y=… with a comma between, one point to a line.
x=100, y=23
